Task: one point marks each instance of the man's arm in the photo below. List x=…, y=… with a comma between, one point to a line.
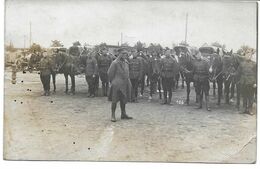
x=111, y=71
x=95, y=66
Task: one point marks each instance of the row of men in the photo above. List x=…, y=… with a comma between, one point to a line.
x=158, y=68
x=155, y=67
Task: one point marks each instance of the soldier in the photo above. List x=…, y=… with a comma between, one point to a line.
x=33, y=60
x=91, y=73
x=154, y=74
x=135, y=74
x=104, y=61
x=201, y=78
x=45, y=73
x=247, y=71
x=168, y=71
x=118, y=75
x=74, y=50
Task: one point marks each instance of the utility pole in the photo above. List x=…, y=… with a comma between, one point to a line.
x=30, y=43
x=24, y=42
x=186, y=28
x=121, y=38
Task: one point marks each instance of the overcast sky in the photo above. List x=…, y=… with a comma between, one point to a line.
x=233, y=24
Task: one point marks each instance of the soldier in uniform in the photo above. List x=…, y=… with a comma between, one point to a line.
x=247, y=71
x=154, y=73
x=135, y=74
x=91, y=73
x=74, y=50
x=104, y=61
x=118, y=75
x=168, y=71
x=201, y=78
x=45, y=73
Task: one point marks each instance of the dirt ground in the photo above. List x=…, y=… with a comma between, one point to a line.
x=66, y=127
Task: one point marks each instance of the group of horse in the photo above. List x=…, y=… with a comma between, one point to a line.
x=222, y=70
x=223, y=66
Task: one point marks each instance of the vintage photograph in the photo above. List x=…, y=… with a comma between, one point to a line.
x=131, y=81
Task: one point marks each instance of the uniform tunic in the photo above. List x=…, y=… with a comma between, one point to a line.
x=135, y=68
x=169, y=69
x=201, y=76
x=247, y=71
x=91, y=69
x=118, y=75
x=45, y=73
x=104, y=61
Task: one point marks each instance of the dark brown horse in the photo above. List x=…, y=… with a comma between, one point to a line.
x=230, y=65
x=216, y=74
x=64, y=63
x=186, y=67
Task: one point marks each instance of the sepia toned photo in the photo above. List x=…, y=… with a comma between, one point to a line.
x=130, y=81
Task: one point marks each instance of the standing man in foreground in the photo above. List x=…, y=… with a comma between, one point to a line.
x=201, y=78
x=118, y=75
x=45, y=73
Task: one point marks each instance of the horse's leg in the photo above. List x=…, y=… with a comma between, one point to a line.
x=147, y=80
x=220, y=88
x=214, y=88
x=238, y=95
x=232, y=90
x=53, y=74
x=196, y=92
x=151, y=87
x=159, y=87
x=72, y=77
x=182, y=80
x=188, y=92
x=227, y=86
x=177, y=80
x=66, y=82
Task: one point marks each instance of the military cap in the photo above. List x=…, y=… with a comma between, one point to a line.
x=122, y=50
x=62, y=49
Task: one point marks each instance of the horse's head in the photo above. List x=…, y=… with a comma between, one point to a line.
x=229, y=65
x=59, y=60
x=215, y=66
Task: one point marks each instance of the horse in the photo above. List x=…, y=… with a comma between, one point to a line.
x=154, y=69
x=230, y=65
x=237, y=60
x=186, y=67
x=64, y=63
x=216, y=74
x=34, y=61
